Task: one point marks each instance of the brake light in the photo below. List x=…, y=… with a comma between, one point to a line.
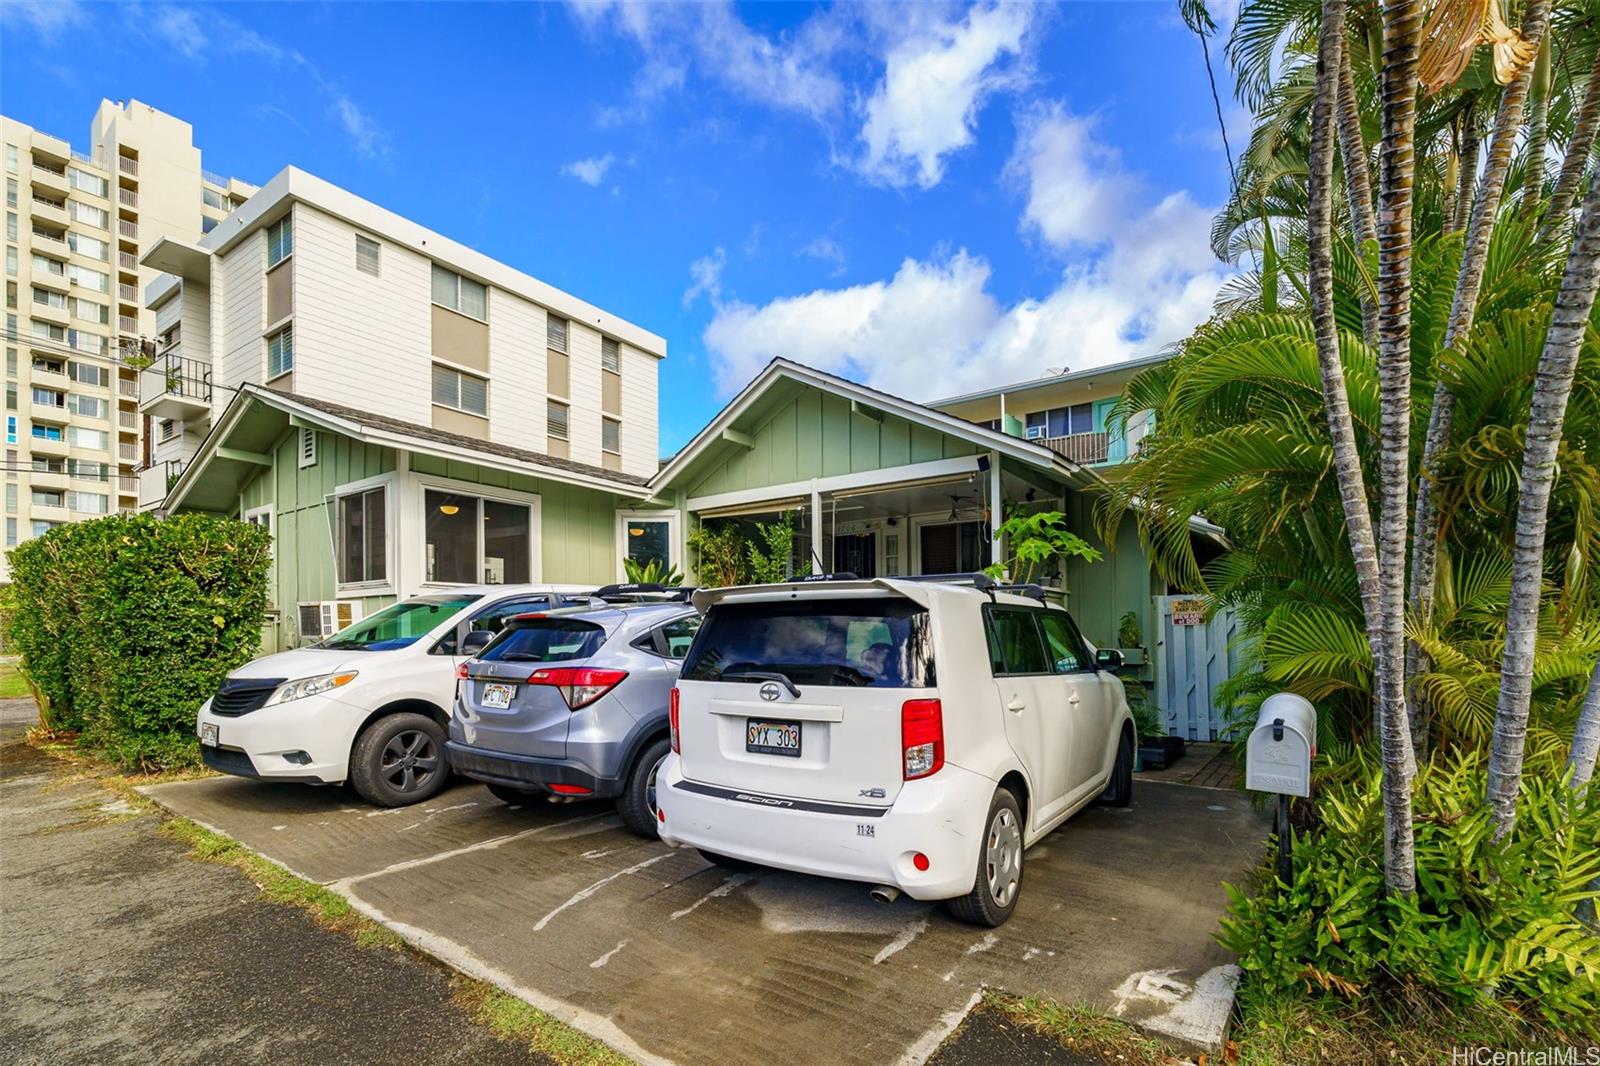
x=672, y=719
x=461, y=671
x=570, y=790
x=579, y=685
x=921, y=737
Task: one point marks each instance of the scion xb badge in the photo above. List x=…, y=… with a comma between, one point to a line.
x=769, y=691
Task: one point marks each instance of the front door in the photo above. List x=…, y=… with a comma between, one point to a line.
x=856, y=553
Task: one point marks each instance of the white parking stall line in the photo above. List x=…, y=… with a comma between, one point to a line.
x=721, y=890
x=482, y=845
x=584, y=893
x=901, y=942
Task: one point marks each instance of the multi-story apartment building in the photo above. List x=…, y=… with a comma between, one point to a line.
x=77, y=224
x=1066, y=411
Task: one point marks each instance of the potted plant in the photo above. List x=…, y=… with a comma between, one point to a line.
x=1130, y=640
x=651, y=572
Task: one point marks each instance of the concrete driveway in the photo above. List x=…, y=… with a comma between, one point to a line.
x=670, y=959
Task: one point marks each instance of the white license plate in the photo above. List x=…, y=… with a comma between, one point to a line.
x=497, y=695
x=772, y=738
x=208, y=734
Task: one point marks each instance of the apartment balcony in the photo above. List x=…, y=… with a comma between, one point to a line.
x=156, y=479
x=128, y=324
x=54, y=480
x=175, y=387
x=128, y=294
x=127, y=422
x=50, y=313
x=127, y=453
x=49, y=413
x=44, y=512
x=128, y=198
x=46, y=279
x=50, y=179
x=46, y=240
x=127, y=485
x=128, y=261
x=128, y=229
x=45, y=446
x=1085, y=449
x=128, y=165
x=54, y=211
x=51, y=379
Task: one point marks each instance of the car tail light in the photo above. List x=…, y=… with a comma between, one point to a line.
x=461, y=671
x=921, y=737
x=672, y=720
x=579, y=685
x=570, y=790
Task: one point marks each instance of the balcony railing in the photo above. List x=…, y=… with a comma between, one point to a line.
x=128, y=229
x=127, y=420
x=127, y=293
x=128, y=165
x=128, y=323
x=173, y=387
x=54, y=172
x=127, y=197
x=128, y=453
x=127, y=261
x=156, y=479
x=128, y=387
x=1085, y=448
x=45, y=201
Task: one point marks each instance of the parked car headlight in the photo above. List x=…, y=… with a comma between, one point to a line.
x=308, y=686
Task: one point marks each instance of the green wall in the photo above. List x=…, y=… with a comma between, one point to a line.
x=1100, y=593
x=815, y=434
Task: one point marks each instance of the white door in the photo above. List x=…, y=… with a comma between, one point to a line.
x=1033, y=703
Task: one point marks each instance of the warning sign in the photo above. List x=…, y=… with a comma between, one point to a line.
x=1188, y=612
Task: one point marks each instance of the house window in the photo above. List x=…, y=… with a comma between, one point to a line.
x=96, y=439
x=88, y=373
x=11, y=429
x=45, y=498
x=460, y=294
x=280, y=352
x=88, y=502
x=167, y=428
x=89, y=279
x=11, y=261
x=647, y=540
x=11, y=225
x=41, y=527
x=87, y=182
x=11, y=498
x=555, y=333
x=363, y=556
x=11, y=158
x=50, y=299
x=556, y=418
x=49, y=397
x=610, y=355
x=11, y=532
x=463, y=392
x=94, y=216
x=470, y=540
x=39, y=432
x=280, y=240
x=88, y=406
x=610, y=435
x=89, y=246
x=367, y=251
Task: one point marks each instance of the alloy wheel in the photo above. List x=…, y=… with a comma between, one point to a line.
x=410, y=760
x=650, y=786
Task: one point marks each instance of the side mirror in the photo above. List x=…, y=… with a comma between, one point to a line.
x=475, y=641
x=1108, y=659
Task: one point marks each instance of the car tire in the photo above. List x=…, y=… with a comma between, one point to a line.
x=637, y=804
x=727, y=862
x=399, y=760
x=997, y=883
x=511, y=794
x=1119, y=790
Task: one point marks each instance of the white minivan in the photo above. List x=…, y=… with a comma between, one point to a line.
x=916, y=735
x=369, y=704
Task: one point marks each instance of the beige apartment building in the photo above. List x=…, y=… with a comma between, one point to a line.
x=77, y=225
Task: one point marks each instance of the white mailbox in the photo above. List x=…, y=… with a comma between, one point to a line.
x=1280, y=749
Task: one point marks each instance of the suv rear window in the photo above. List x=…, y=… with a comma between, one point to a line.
x=885, y=643
x=546, y=640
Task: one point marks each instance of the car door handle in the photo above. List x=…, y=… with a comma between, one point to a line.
x=1017, y=705
x=1073, y=699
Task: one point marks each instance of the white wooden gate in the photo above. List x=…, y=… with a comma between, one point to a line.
x=1190, y=662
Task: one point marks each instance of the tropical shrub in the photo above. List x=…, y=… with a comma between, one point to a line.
x=651, y=572
x=1489, y=922
x=719, y=555
x=1038, y=544
x=127, y=623
x=770, y=552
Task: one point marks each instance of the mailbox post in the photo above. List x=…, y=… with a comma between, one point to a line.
x=1278, y=756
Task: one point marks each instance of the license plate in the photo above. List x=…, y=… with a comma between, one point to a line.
x=772, y=738
x=208, y=734
x=497, y=695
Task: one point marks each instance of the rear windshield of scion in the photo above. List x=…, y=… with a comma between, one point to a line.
x=886, y=643
x=546, y=640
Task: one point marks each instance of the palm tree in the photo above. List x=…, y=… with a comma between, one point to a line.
x=1357, y=176
x=1579, y=147
x=1547, y=413
x=1538, y=131
x=1586, y=737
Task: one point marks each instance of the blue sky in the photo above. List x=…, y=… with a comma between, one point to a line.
x=928, y=198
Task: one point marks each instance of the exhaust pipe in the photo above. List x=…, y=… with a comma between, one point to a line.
x=884, y=893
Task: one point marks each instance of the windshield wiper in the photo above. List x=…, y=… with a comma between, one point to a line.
x=764, y=675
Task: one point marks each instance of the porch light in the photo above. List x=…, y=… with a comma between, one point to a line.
x=448, y=508
x=635, y=531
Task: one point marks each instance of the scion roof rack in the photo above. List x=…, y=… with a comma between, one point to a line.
x=982, y=582
x=644, y=592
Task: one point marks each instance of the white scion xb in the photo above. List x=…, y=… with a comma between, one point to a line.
x=369, y=704
x=915, y=735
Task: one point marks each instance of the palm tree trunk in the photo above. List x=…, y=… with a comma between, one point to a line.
x=1586, y=737
x=1357, y=175
x=1469, y=281
x=1466, y=175
x=1402, y=26
x=1333, y=75
x=1538, y=130
x=1579, y=147
x=1551, y=388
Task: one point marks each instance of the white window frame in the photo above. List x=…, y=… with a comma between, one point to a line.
x=674, y=520
x=456, y=306
x=603, y=420
x=549, y=431
x=460, y=372
x=264, y=513
x=266, y=351
x=377, y=256
x=266, y=233
x=390, y=483
x=417, y=533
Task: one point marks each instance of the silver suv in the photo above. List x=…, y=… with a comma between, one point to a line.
x=573, y=703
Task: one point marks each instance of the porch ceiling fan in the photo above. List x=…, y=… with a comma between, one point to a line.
x=955, y=508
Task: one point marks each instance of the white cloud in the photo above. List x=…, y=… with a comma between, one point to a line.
x=48, y=20
x=829, y=251
x=933, y=86
x=591, y=171
x=1139, y=277
x=706, y=272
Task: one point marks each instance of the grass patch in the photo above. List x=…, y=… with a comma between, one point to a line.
x=328, y=908
x=13, y=686
x=512, y=1019
x=1081, y=1028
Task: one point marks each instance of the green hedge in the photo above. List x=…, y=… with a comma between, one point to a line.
x=127, y=623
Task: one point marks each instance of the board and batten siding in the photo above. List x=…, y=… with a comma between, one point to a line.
x=1122, y=580
x=302, y=537
x=577, y=541
x=641, y=403
x=361, y=340
x=815, y=434
x=517, y=372
x=244, y=307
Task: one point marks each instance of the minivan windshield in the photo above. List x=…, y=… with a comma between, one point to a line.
x=399, y=624
x=883, y=643
x=546, y=640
